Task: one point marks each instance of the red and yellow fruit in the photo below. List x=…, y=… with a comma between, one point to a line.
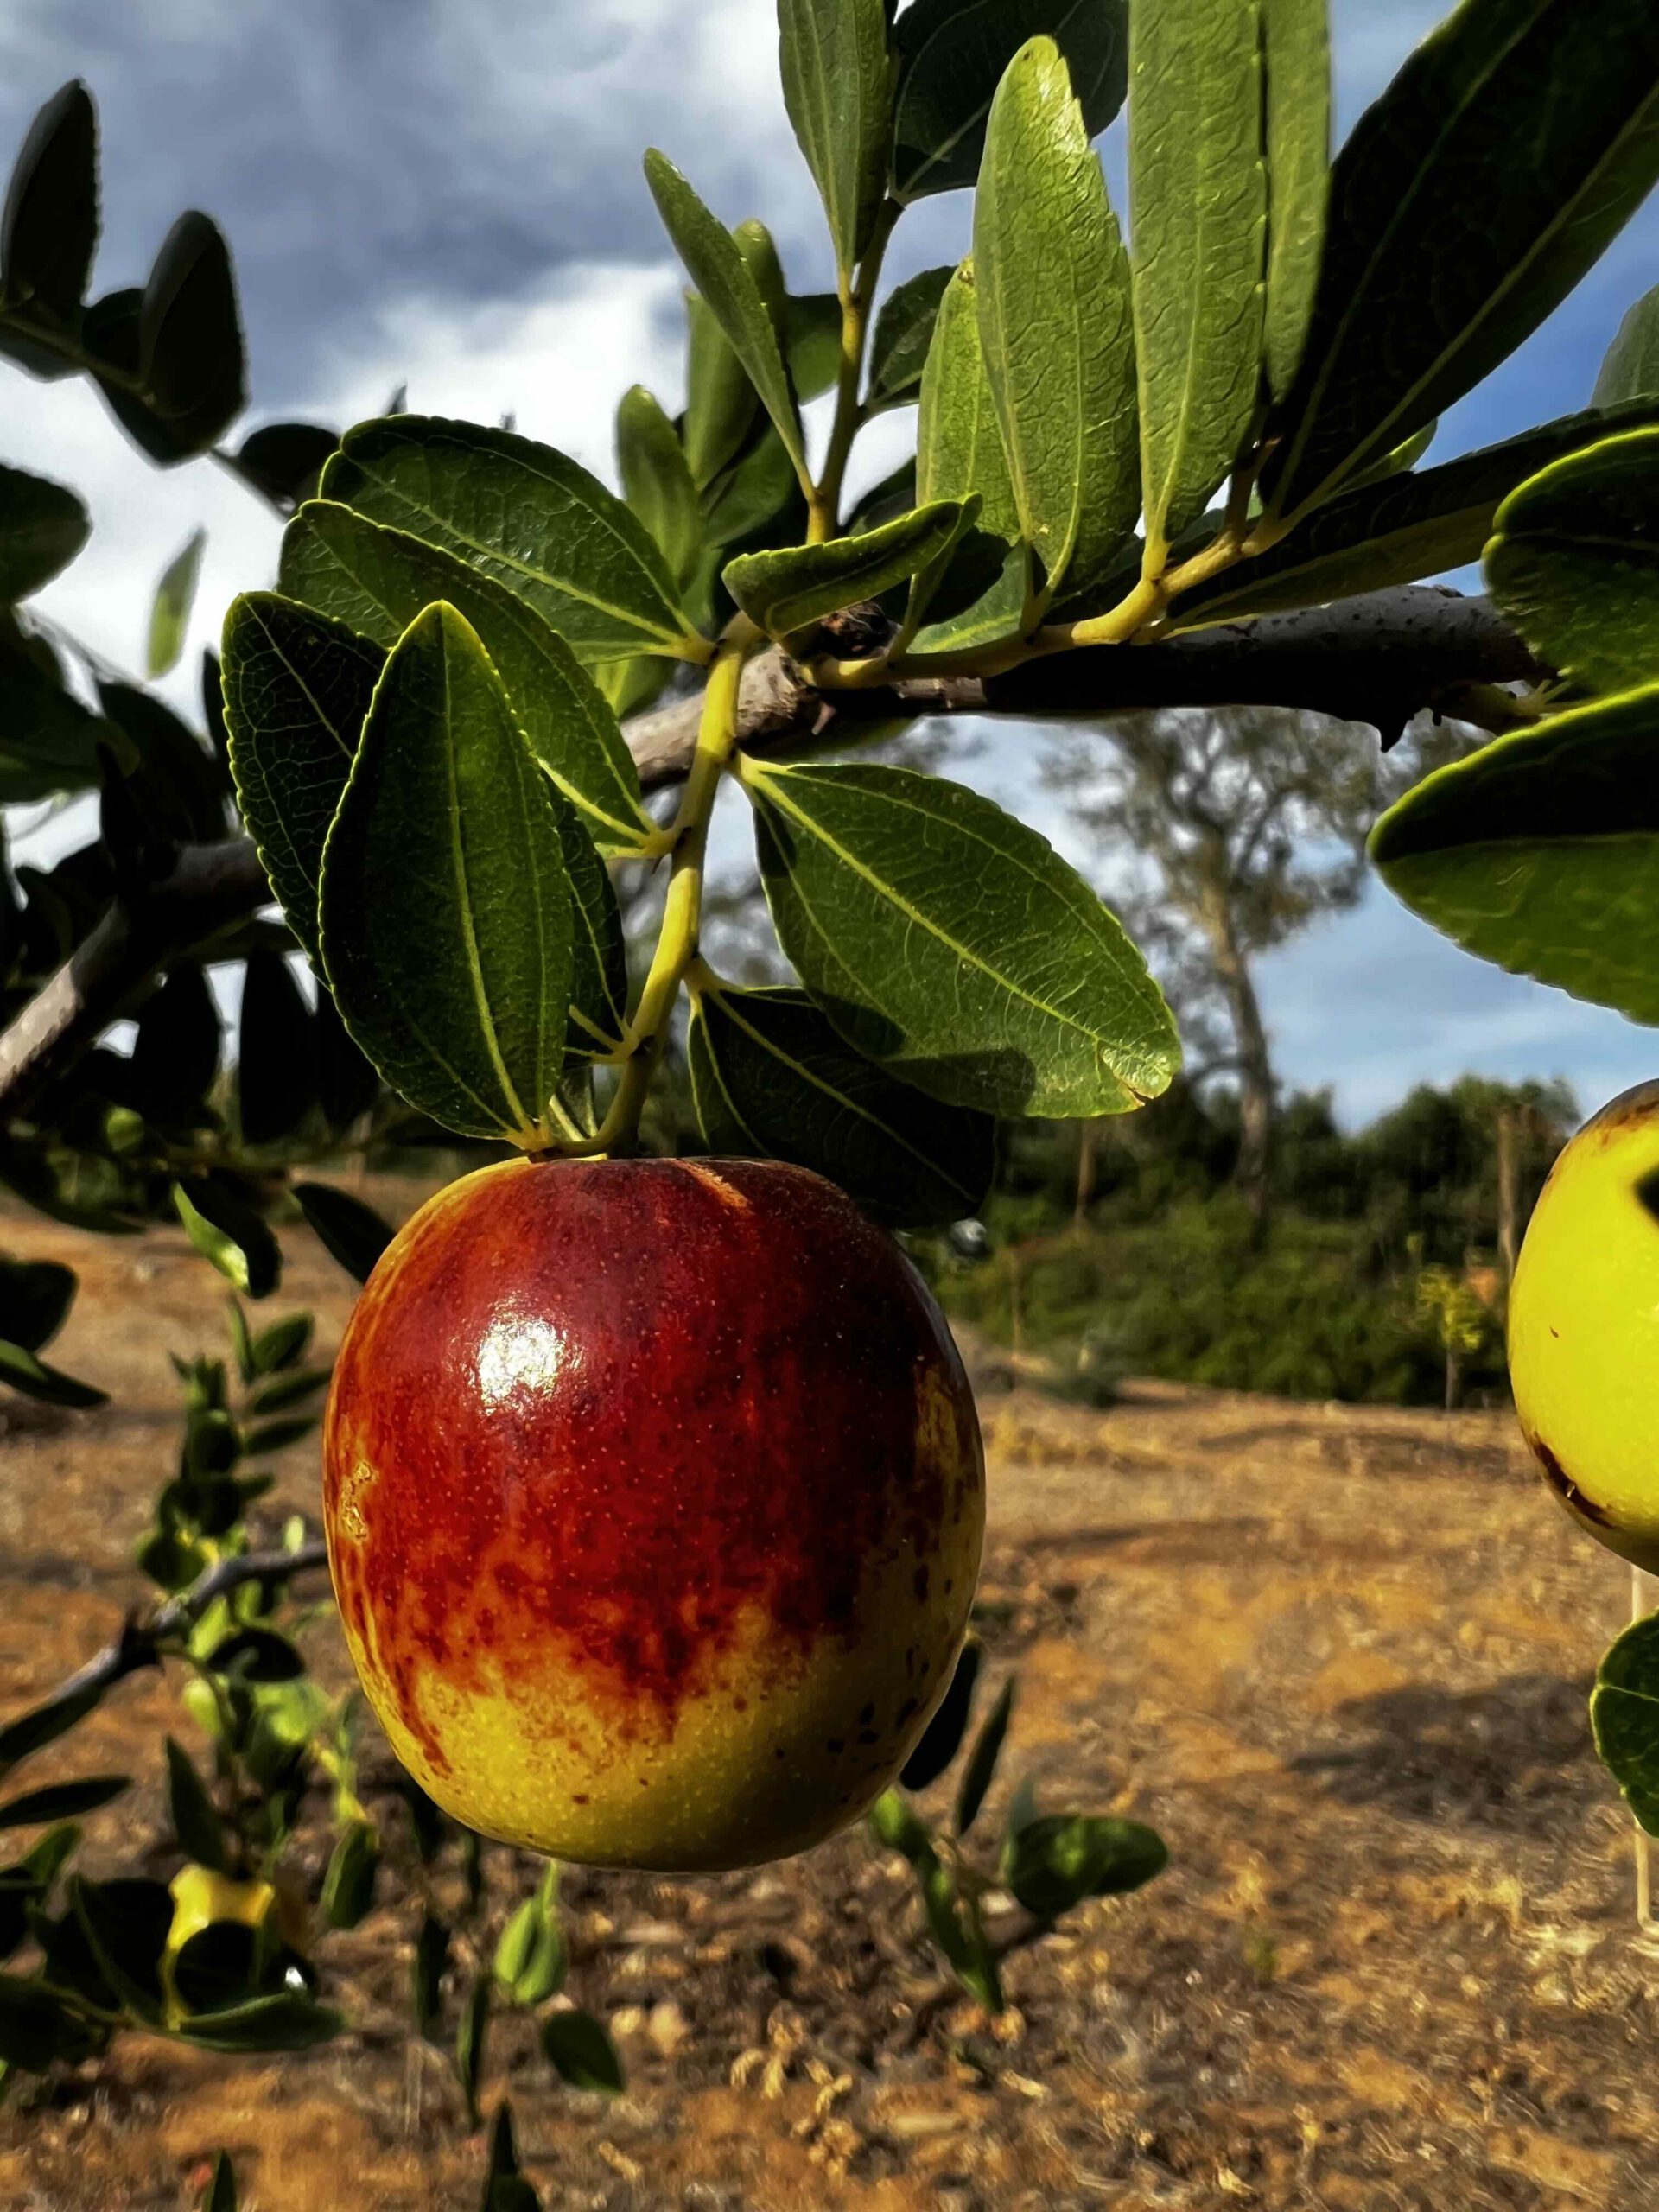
x=655, y=1499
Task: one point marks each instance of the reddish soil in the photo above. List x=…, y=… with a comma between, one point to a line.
x=1337, y=1655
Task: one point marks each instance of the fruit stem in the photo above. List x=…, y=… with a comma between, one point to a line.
x=677, y=942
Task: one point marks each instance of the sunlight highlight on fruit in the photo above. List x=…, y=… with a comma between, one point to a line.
x=1584, y=1328
x=655, y=1502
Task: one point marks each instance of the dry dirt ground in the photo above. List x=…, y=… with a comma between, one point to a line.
x=1339, y=1656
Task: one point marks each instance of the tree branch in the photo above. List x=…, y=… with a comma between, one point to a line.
x=1379, y=660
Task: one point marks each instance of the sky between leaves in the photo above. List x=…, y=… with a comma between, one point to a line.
x=452, y=196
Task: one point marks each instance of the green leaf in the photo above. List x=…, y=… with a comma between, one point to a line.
x=180, y=339
x=1198, y=212
x=297, y=687
x=349, y=1232
x=1394, y=529
x=723, y=278
x=1539, y=852
x=284, y=461
x=43, y=1724
x=1630, y=372
x=788, y=589
x=379, y=579
x=229, y=1235
x=838, y=81
x=63, y=1801
x=904, y=333
x=657, y=480
x=1467, y=203
x=954, y=1920
x=1625, y=1718
x=525, y=516
x=196, y=1823
x=1055, y=322
x=38, y=2026
x=287, y=1390
x=505, y=2189
x=1057, y=1860
x=276, y=1067
x=169, y=614
x=582, y=2053
x=348, y=1883
x=952, y=945
x=530, y=1959
x=447, y=923
x=279, y=1346
x=958, y=455
x=36, y=1296
x=812, y=342
x=943, y=1737
x=981, y=1770
x=1296, y=62
x=771, y=1080
x=176, y=1054
x=42, y=527
x=720, y=403
x=953, y=53
x=472, y=2036
x=347, y=1086
x=1574, y=564
x=289, y=2021
x=895, y=1823
x=219, y=2195
x=24, y=1372
x=49, y=229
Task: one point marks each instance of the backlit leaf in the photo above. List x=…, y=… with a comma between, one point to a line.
x=1198, y=209
x=49, y=228
x=771, y=1079
x=1574, y=564
x=447, y=928
x=228, y=1234
x=42, y=527
x=951, y=944
x=1296, y=57
x=1625, y=1718
x=582, y=2052
x=952, y=56
x=23, y=1371
x=169, y=614
x=1631, y=370
x=1540, y=852
x=525, y=516
x=959, y=453
x=1467, y=203
x=981, y=1770
x=181, y=341
x=657, y=480
x=904, y=332
x=1055, y=321
x=1055, y=1861
x=838, y=76
x=785, y=591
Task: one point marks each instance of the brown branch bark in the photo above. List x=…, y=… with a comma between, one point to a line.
x=1379, y=660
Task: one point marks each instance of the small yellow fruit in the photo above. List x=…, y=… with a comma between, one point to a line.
x=1584, y=1328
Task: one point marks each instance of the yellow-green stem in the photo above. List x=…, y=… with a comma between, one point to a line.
x=676, y=940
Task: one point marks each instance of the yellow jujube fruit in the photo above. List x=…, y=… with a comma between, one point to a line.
x=1584, y=1328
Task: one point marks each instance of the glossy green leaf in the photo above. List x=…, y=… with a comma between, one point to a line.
x=1394, y=529
x=229, y=1235
x=63, y=1801
x=1198, y=212
x=1055, y=1861
x=1574, y=564
x=657, y=480
x=1540, y=852
x=1467, y=203
x=505, y=2189
x=1631, y=370
x=786, y=590
x=757, y=500
x=944, y=1736
x=196, y=1822
x=720, y=403
x=771, y=1079
x=812, y=324
x=176, y=1052
x=526, y=517
x=958, y=455
x=1055, y=321
x=21, y=1369
x=275, y=1065
x=284, y=461
x=36, y=1296
x=953, y=1919
x=179, y=342
x=379, y=579
x=981, y=1770
x=530, y=1960
x=170, y=613
x=904, y=333
x=347, y=1086
x=49, y=227
x=952, y=945
x=1625, y=1718
x=446, y=922
x=1296, y=60
x=44, y=1723
x=37, y=2027
x=349, y=1232
x=288, y=2021
x=42, y=527
x=838, y=80
x=723, y=278
x=953, y=53
x=582, y=2052
x=297, y=687
x=471, y=2038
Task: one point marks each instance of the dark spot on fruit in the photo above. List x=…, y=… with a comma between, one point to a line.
x=1647, y=1192
x=835, y=1744
x=868, y=1736
x=1559, y=1481
x=579, y=1797
x=867, y=1714
x=922, y=1579
x=1554, y=1331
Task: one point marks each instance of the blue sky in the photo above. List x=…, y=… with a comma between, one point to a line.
x=451, y=194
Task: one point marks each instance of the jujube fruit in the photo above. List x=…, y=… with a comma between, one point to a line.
x=655, y=1499
x=1584, y=1328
